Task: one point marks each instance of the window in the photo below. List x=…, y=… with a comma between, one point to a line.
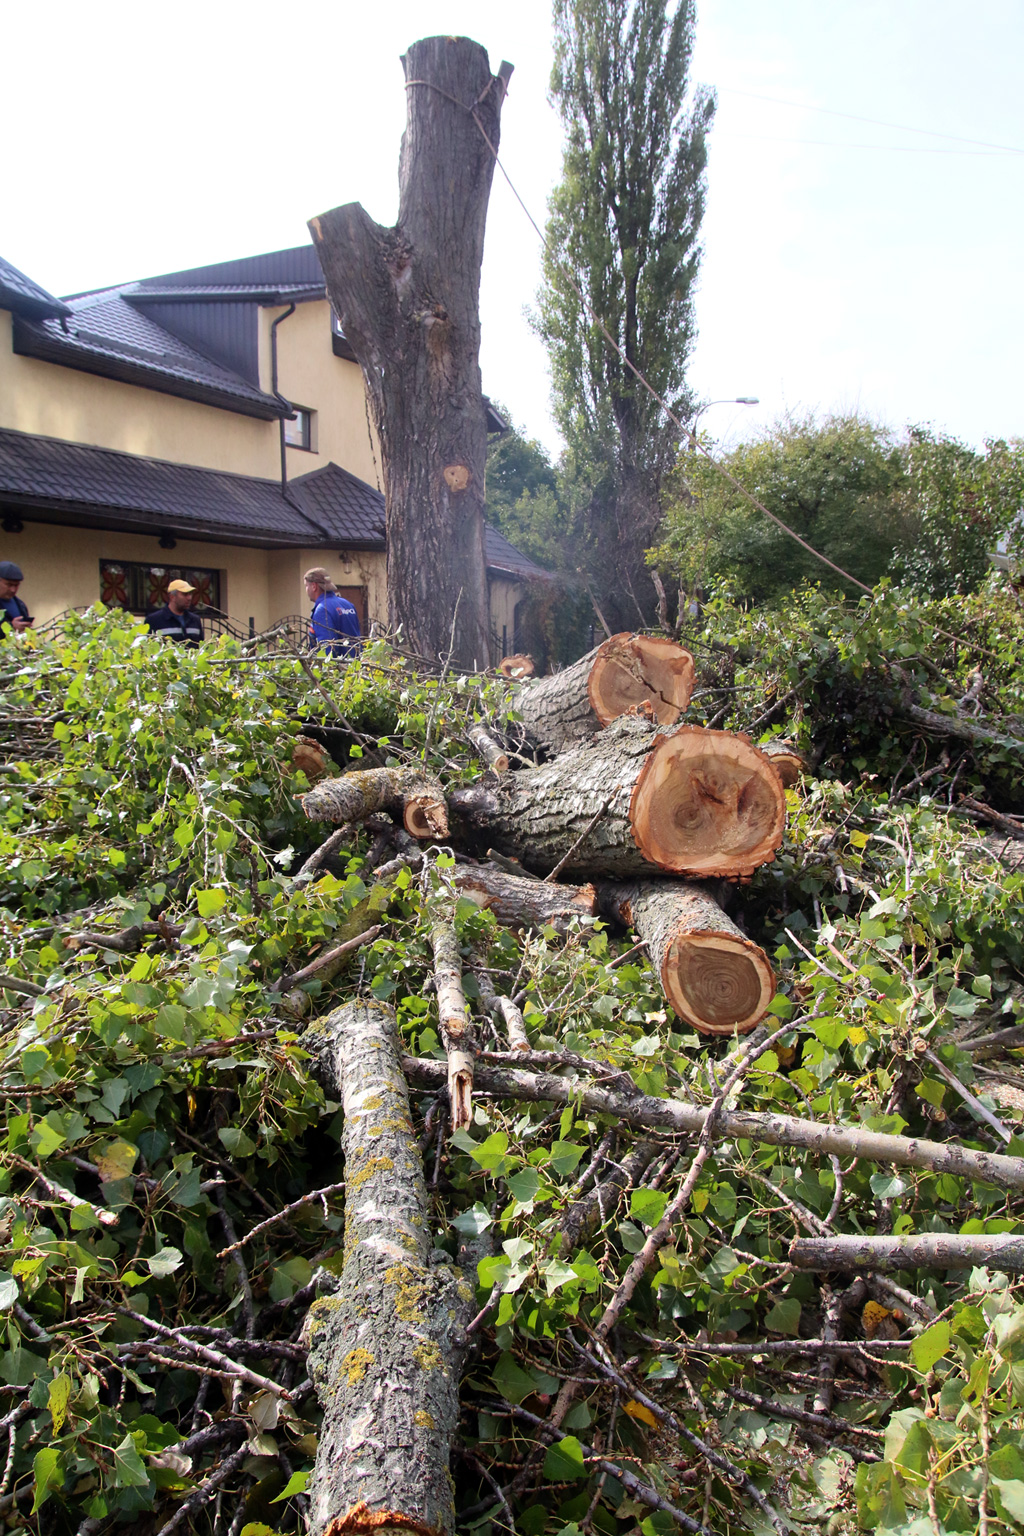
x=298, y=431
x=141, y=588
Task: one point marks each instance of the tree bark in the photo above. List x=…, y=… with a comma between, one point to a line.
x=487, y=749
x=518, y=902
x=653, y=1114
x=631, y=802
x=354, y=796
x=716, y=978
x=452, y=1014
x=407, y=299
x=926, y=1250
x=786, y=760
x=625, y=671
x=387, y=1348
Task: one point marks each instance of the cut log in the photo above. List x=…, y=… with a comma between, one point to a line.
x=622, y=673
x=716, y=978
x=453, y=1016
x=489, y=750
x=698, y=803
x=519, y=902
x=786, y=760
x=924, y=1250
x=387, y=1349
x=499, y=1006
x=355, y=796
x=516, y=666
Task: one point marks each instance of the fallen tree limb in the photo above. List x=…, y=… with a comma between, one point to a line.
x=520, y=902
x=355, y=796
x=325, y=961
x=453, y=1016
x=496, y=1005
x=487, y=748
x=386, y=1349
x=925, y=1250
x=648, y=1113
x=955, y=725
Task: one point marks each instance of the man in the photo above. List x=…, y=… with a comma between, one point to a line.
x=334, y=623
x=176, y=621
x=14, y=614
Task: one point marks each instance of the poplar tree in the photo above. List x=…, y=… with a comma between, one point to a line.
x=623, y=232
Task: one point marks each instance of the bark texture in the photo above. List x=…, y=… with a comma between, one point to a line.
x=622, y=673
x=518, y=902
x=407, y=299
x=649, y=1113
x=355, y=796
x=453, y=1016
x=926, y=1250
x=716, y=978
x=488, y=749
x=386, y=1352
x=632, y=802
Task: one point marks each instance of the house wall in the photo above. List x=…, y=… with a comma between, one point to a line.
x=504, y=594
x=54, y=401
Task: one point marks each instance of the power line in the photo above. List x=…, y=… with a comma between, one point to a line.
x=877, y=122
x=904, y=149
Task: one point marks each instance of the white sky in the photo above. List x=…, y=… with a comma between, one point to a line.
x=847, y=266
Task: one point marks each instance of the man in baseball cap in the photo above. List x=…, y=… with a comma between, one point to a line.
x=176, y=621
x=13, y=612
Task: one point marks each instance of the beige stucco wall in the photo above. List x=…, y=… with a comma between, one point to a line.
x=77, y=407
x=504, y=595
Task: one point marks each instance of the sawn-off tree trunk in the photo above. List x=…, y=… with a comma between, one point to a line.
x=387, y=1348
x=407, y=299
x=716, y=978
x=625, y=671
x=632, y=802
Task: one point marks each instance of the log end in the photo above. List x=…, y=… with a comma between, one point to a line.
x=788, y=763
x=720, y=984
x=516, y=667
x=640, y=669
x=707, y=804
x=425, y=816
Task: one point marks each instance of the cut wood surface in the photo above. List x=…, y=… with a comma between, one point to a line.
x=488, y=748
x=618, y=675
x=716, y=978
x=632, y=802
x=925, y=1250
x=519, y=902
x=516, y=666
x=355, y=796
x=786, y=760
x=387, y=1347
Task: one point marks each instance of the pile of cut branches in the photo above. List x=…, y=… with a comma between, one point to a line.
x=328, y=1160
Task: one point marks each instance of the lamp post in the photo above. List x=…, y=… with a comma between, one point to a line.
x=736, y=400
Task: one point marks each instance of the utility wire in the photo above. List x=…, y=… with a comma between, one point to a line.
x=877, y=122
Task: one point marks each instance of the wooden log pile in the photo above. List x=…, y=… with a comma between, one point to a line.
x=625, y=811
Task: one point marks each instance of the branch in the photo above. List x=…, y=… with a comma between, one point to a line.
x=926, y=1250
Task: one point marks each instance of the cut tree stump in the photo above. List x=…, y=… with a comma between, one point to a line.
x=716, y=978
x=622, y=673
x=518, y=902
x=388, y=1347
x=788, y=763
x=355, y=796
x=631, y=802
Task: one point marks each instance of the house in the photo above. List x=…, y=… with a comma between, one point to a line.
x=210, y=424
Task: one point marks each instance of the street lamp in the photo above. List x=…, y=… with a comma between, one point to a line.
x=736, y=400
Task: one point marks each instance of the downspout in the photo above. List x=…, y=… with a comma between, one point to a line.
x=321, y=530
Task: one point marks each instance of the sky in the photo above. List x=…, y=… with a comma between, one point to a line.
x=849, y=265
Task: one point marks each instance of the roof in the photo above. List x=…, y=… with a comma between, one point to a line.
x=57, y=481
x=22, y=296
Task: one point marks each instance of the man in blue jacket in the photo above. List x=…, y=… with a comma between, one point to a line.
x=334, y=623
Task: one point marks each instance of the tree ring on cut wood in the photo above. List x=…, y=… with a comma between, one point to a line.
x=707, y=803
x=719, y=984
x=640, y=669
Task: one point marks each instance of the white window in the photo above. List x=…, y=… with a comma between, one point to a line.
x=298, y=429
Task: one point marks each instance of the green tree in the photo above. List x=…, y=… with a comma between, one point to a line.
x=623, y=233
x=838, y=483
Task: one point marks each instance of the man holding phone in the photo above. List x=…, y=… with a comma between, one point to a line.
x=13, y=612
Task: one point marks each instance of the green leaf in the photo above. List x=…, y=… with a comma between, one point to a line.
x=211, y=902
x=631, y=1237
x=46, y=1474
x=887, y=1186
x=930, y=1346
x=565, y=1156
x=236, y=1141
x=1011, y=1496
x=8, y=1290
x=510, y=1380
x=129, y=1468
x=524, y=1185
x=784, y=1317
x=295, y=1484
x=564, y=1460
x=58, y=1397
x=648, y=1205
x=831, y=1032
x=474, y=1221
x=164, y=1262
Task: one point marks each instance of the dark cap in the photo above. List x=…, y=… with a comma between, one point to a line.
x=11, y=572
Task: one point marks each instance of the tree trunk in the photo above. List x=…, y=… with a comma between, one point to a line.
x=407, y=299
x=925, y=1250
x=631, y=802
x=521, y=903
x=387, y=1348
x=625, y=671
x=714, y=976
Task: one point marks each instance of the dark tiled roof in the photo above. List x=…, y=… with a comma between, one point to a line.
x=104, y=334
x=154, y=292
x=21, y=295
x=104, y=487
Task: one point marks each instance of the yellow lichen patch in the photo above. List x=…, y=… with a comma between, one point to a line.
x=367, y=1171
x=373, y=1102
x=397, y=1124
x=427, y=1356
x=424, y=1419
x=413, y=1290
x=319, y=1312
x=356, y=1363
